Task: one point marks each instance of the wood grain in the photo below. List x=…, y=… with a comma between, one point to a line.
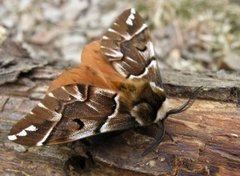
x=206, y=136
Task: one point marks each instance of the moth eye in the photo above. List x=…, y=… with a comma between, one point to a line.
x=79, y=122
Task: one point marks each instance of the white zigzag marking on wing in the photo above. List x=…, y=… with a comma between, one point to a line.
x=105, y=37
x=51, y=95
x=88, y=130
x=92, y=106
x=131, y=17
x=104, y=127
x=40, y=143
x=23, y=132
x=131, y=59
x=103, y=91
x=150, y=48
x=129, y=21
x=56, y=116
x=120, y=69
x=113, y=31
x=78, y=94
x=133, y=11
x=114, y=53
x=12, y=137
x=152, y=64
x=31, y=128
x=125, y=64
x=115, y=24
x=143, y=27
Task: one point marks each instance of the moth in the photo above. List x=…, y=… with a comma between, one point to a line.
x=116, y=87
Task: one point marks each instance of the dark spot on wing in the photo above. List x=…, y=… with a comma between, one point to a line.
x=79, y=122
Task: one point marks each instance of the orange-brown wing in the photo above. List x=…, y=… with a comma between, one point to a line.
x=94, y=70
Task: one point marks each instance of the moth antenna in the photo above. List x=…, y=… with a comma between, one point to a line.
x=159, y=137
x=185, y=105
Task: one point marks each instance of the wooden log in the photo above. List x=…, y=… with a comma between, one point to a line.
x=206, y=136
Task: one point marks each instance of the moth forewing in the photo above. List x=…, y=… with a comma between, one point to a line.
x=127, y=45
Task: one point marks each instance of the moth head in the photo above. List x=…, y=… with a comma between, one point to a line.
x=165, y=109
x=149, y=100
x=164, y=105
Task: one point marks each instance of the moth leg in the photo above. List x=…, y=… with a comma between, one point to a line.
x=158, y=139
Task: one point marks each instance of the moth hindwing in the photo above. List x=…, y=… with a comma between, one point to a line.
x=117, y=86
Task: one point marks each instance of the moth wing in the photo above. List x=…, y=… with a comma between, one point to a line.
x=94, y=70
x=128, y=47
x=70, y=113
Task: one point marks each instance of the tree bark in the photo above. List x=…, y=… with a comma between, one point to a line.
x=205, y=137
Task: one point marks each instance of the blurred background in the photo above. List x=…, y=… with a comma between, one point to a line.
x=199, y=35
